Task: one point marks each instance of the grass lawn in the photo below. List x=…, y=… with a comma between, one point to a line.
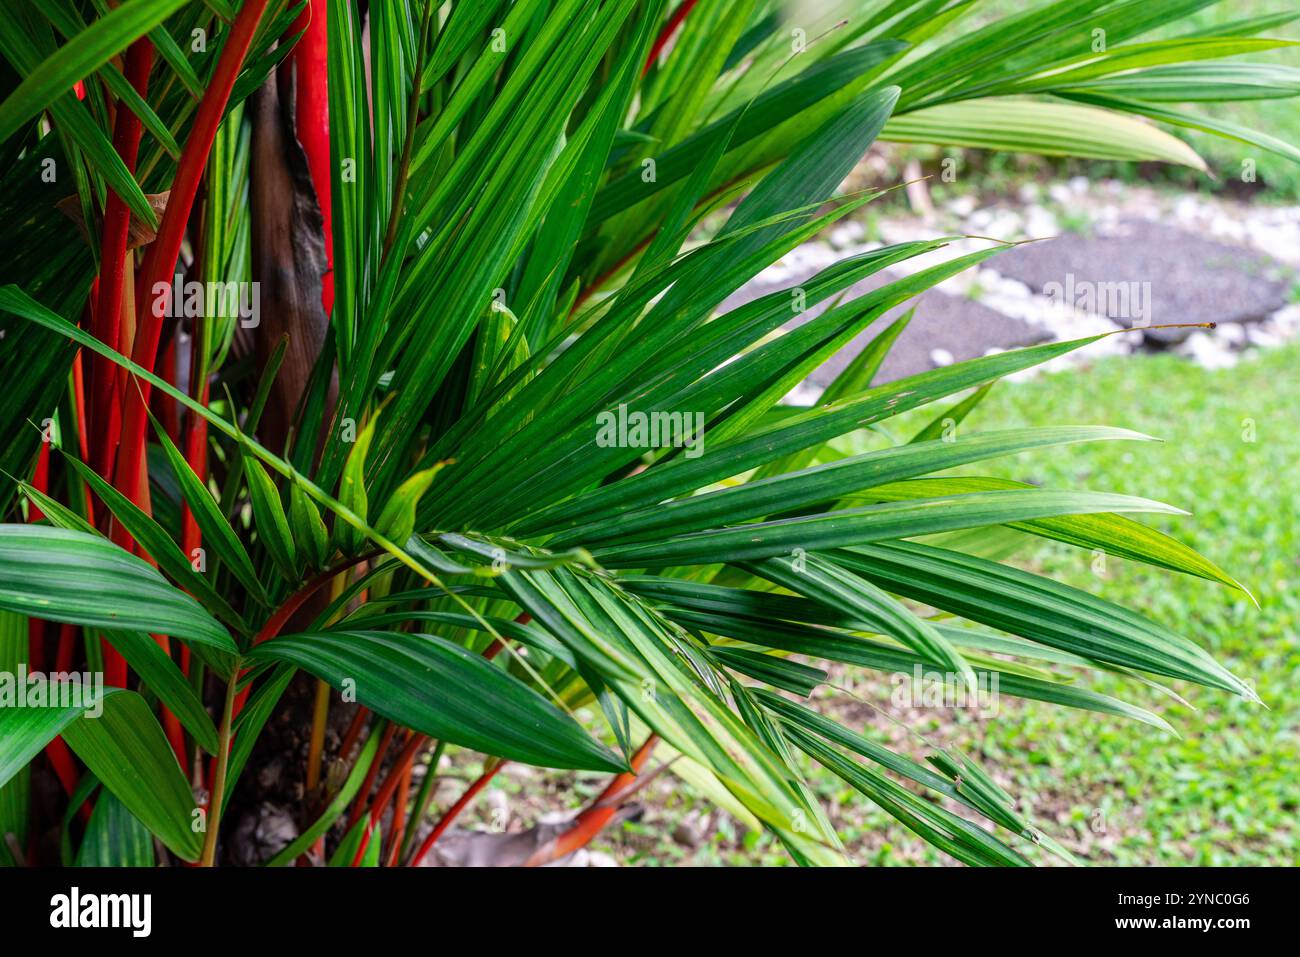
x=1226, y=793
x=1115, y=792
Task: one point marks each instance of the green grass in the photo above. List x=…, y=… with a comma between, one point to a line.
x=1226, y=793
x=1118, y=792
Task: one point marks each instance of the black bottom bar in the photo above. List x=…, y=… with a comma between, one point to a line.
x=301, y=906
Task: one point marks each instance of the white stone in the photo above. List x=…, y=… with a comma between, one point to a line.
x=962, y=206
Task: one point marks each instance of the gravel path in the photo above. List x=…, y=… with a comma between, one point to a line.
x=1111, y=256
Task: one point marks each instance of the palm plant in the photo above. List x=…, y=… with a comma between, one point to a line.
x=489, y=239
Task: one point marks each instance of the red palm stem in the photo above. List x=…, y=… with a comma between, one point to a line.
x=312, y=113
x=599, y=813
x=353, y=734
x=106, y=322
x=399, y=818
x=156, y=273
x=666, y=34
x=359, y=804
x=454, y=812
x=291, y=604
x=401, y=766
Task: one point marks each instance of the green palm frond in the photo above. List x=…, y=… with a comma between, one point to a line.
x=535, y=224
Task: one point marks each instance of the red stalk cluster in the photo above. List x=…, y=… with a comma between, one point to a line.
x=106, y=381
x=160, y=260
x=129, y=318
x=121, y=316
